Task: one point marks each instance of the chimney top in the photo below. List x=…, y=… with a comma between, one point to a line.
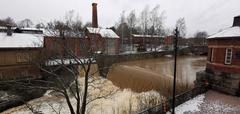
x=94, y=15
x=236, y=21
x=94, y=4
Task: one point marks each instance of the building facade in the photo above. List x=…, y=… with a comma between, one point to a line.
x=102, y=40
x=18, y=52
x=145, y=42
x=223, y=62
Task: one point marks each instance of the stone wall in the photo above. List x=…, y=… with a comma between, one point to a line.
x=223, y=82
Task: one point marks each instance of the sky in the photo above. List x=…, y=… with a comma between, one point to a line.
x=200, y=15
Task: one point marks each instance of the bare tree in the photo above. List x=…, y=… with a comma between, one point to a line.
x=181, y=27
x=144, y=20
x=132, y=20
x=200, y=38
x=156, y=22
x=68, y=60
x=40, y=26
x=7, y=21
x=25, y=23
x=62, y=68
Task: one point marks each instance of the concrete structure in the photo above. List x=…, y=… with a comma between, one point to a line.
x=223, y=66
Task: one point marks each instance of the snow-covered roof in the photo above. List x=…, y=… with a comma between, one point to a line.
x=105, y=33
x=229, y=32
x=56, y=62
x=29, y=28
x=147, y=36
x=21, y=40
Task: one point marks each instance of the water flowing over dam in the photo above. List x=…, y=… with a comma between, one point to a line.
x=157, y=74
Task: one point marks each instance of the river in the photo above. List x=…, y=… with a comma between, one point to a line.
x=140, y=76
x=157, y=74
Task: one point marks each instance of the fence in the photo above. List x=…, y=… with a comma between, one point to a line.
x=179, y=99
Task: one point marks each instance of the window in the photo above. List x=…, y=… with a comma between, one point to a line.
x=212, y=54
x=228, y=56
x=22, y=57
x=24, y=73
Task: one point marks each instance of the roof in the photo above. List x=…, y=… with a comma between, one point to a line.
x=105, y=33
x=56, y=62
x=28, y=28
x=21, y=40
x=147, y=36
x=229, y=32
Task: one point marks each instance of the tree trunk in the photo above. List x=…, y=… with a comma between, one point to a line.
x=84, y=103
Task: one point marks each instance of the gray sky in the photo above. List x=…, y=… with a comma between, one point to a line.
x=208, y=15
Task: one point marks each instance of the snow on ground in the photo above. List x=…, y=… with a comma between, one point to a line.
x=191, y=106
x=211, y=102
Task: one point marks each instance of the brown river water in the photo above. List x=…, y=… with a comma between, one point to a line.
x=157, y=74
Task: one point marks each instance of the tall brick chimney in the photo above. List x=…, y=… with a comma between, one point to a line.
x=236, y=21
x=94, y=15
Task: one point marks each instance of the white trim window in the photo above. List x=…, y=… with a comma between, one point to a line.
x=228, y=56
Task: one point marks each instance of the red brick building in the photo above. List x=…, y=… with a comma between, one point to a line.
x=102, y=40
x=54, y=46
x=142, y=42
x=223, y=65
x=224, y=50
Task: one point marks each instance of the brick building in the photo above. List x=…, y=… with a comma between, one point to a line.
x=142, y=42
x=223, y=65
x=102, y=40
x=54, y=46
x=18, y=49
x=224, y=50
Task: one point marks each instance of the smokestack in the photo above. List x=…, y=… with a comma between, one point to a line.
x=9, y=30
x=236, y=21
x=94, y=15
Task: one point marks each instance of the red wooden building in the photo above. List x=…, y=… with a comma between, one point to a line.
x=223, y=65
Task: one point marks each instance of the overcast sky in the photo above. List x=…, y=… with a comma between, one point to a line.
x=208, y=15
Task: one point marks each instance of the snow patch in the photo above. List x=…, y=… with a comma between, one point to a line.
x=21, y=40
x=192, y=105
x=105, y=33
x=229, y=32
